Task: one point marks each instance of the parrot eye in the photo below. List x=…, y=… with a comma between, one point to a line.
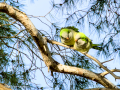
x=68, y=36
x=62, y=37
x=79, y=38
x=68, y=31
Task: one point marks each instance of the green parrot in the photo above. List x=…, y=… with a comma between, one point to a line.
x=83, y=43
x=67, y=35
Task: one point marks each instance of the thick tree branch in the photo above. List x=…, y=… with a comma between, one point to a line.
x=91, y=57
x=22, y=18
x=42, y=45
x=4, y=87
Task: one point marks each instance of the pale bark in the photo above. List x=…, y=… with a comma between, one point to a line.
x=42, y=45
x=91, y=57
x=101, y=89
x=4, y=87
x=113, y=70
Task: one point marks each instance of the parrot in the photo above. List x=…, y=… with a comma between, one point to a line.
x=67, y=35
x=84, y=44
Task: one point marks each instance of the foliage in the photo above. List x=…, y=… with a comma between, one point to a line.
x=70, y=58
x=13, y=71
x=16, y=45
x=102, y=16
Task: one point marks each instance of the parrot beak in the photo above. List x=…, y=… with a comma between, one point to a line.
x=75, y=40
x=67, y=38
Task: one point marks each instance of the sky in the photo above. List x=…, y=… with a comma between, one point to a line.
x=41, y=8
x=37, y=8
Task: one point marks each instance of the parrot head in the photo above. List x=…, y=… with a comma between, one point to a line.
x=81, y=36
x=65, y=34
x=81, y=39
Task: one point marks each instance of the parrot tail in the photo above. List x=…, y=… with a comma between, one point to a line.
x=97, y=46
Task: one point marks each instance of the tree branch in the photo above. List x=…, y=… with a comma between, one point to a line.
x=107, y=61
x=12, y=36
x=91, y=57
x=100, y=89
x=4, y=87
x=113, y=70
x=42, y=45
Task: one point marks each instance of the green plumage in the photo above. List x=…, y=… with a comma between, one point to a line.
x=67, y=35
x=84, y=44
x=72, y=37
x=71, y=27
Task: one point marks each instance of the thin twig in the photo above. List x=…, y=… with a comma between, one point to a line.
x=107, y=61
x=8, y=24
x=12, y=36
x=113, y=70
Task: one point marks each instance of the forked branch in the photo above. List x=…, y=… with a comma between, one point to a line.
x=91, y=57
x=113, y=70
x=43, y=48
